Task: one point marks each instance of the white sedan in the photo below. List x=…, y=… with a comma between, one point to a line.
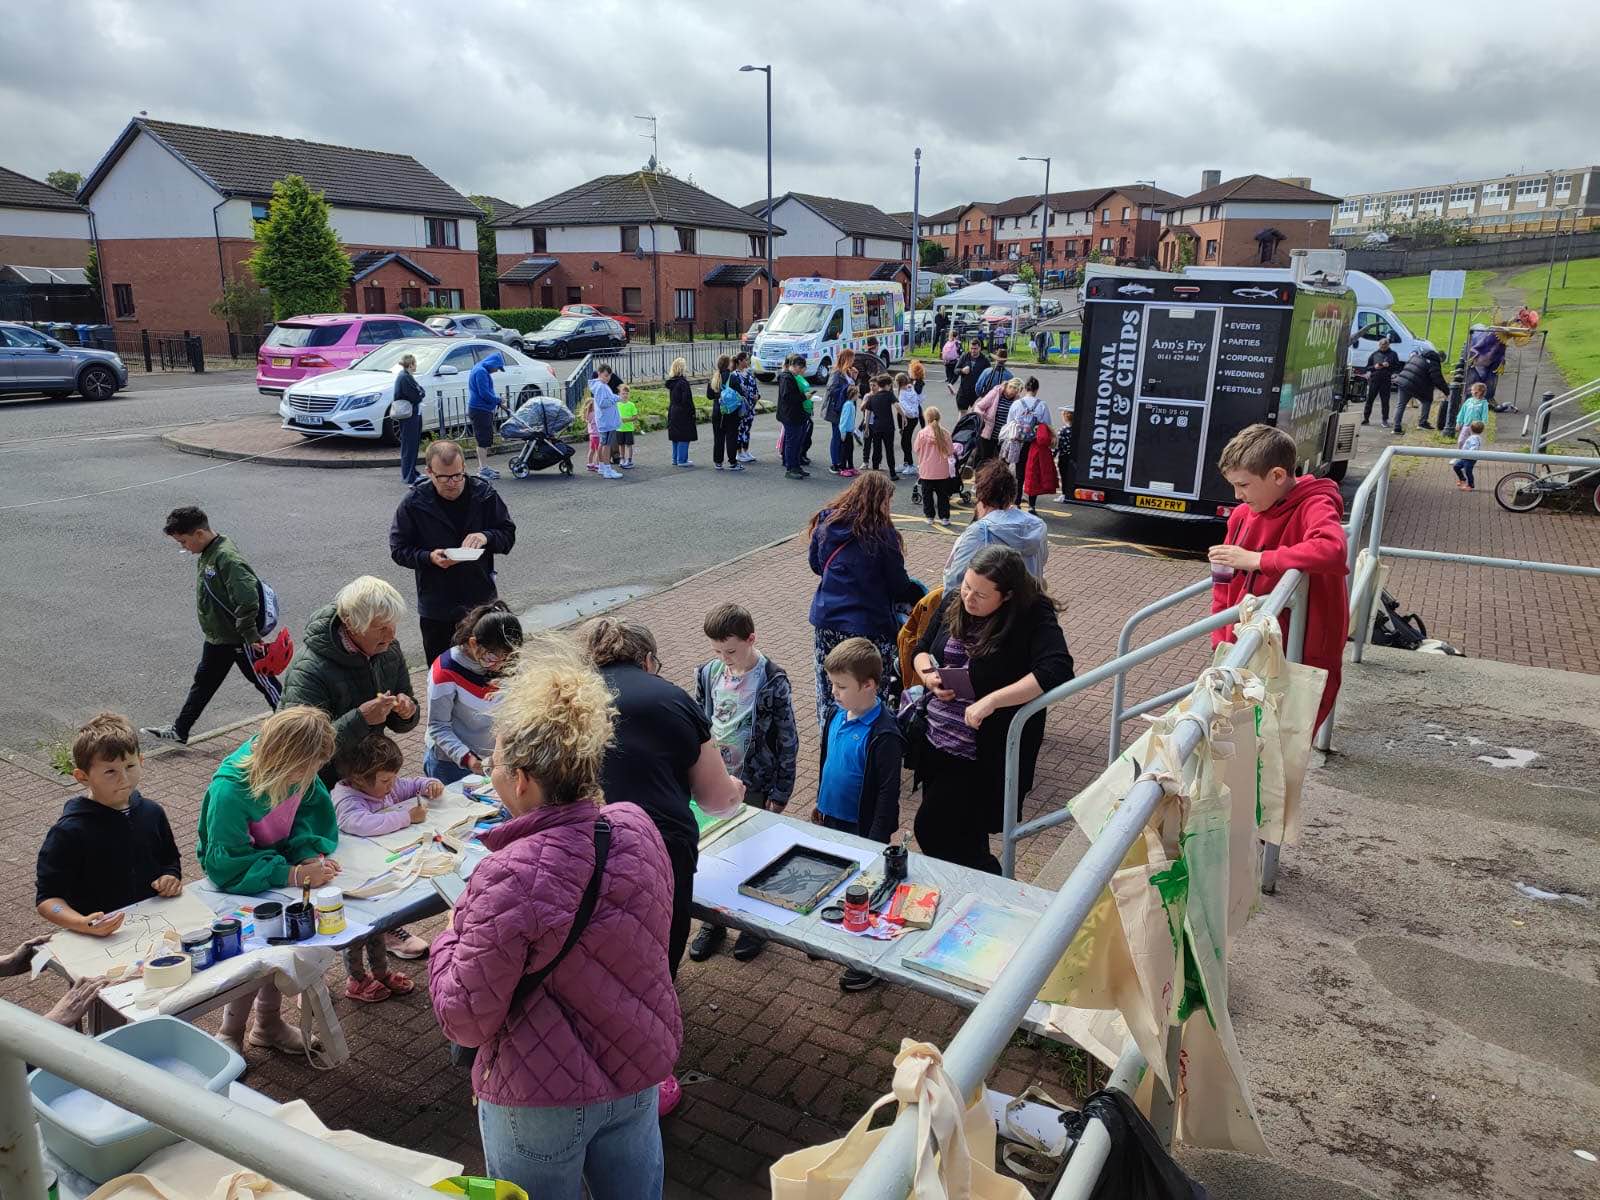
x=356, y=402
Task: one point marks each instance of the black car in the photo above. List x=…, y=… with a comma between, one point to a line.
x=569, y=337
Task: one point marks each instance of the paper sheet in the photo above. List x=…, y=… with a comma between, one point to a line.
x=83, y=956
x=717, y=879
x=451, y=811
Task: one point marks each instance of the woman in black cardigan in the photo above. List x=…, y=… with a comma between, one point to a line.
x=681, y=418
x=1004, y=627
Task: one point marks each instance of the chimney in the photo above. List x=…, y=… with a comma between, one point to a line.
x=1209, y=179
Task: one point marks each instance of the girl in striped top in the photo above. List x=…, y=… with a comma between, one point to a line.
x=463, y=692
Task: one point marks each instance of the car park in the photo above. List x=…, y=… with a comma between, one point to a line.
x=356, y=401
x=600, y=310
x=31, y=361
x=302, y=347
x=570, y=336
x=474, y=325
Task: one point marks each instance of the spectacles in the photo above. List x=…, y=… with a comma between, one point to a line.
x=456, y=478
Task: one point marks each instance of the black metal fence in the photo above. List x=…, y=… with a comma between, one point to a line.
x=161, y=349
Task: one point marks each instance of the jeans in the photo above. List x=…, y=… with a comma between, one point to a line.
x=835, y=446
x=216, y=660
x=410, y=439
x=436, y=766
x=794, y=444
x=680, y=453
x=1464, y=469
x=1400, y=410
x=613, y=1146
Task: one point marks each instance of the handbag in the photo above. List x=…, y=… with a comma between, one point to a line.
x=462, y=1057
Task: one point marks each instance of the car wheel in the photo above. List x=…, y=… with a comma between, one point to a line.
x=97, y=383
x=389, y=435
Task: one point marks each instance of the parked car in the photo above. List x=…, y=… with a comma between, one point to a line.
x=475, y=325
x=747, y=342
x=302, y=347
x=356, y=401
x=955, y=282
x=31, y=361
x=600, y=310
x=570, y=336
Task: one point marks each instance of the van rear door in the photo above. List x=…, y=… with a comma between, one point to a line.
x=1370, y=325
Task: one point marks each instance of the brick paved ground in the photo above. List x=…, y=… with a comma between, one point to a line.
x=790, y=1059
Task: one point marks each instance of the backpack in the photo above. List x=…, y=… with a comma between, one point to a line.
x=266, y=605
x=1390, y=628
x=730, y=401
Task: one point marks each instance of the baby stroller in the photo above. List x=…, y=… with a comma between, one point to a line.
x=538, y=424
x=963, y=446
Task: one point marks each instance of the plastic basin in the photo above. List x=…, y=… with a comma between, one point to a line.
x=100, y=1140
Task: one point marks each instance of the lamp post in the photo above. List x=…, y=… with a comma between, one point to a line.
x=1044, y=231
x=1551, y=272
x=916, y=249
x=767, y=70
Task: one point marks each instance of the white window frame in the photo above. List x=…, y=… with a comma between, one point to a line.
x=683, y=304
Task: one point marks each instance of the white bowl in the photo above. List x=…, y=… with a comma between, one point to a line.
x=464, y=554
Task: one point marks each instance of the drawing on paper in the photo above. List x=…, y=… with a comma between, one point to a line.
x=799, y=878
x=975, y=947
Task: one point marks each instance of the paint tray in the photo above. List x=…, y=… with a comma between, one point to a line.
x=800, y=878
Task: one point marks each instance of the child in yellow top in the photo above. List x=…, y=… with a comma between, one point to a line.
x=628, y=414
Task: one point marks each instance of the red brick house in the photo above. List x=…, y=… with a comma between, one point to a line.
x=646, y=243
x=41, y=226
x=975, y=243
x=1250, y=221
x=940, y=227
x=1122, y=224
x=835, y=239
x=174, y=208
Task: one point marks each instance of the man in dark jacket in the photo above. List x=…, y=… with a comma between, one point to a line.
x=1381, y=366
x=1422, y=375
x=450, y=512
x=792, y=416
x=969, y=369
x=482, y=404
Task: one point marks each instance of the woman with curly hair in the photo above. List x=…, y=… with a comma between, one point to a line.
x=861, y=562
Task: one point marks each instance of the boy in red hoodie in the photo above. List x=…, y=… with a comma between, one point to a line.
x=1284, y=522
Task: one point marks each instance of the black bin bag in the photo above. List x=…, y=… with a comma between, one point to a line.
x=1139, y=1167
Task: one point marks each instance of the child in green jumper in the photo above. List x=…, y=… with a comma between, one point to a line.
x=628, y=413
x=267, y=822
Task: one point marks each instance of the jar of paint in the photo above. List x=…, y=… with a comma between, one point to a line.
x=226, y=939
x=330, y=910
x=269, y=919
x=855, y=907
x=198, y=947
x=299, y=921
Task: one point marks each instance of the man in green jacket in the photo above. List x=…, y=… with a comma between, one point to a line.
x=228, y=603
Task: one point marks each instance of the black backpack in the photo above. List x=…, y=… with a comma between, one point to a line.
x=1390, y=628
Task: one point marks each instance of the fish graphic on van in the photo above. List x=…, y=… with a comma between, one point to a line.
x=1257, y=293
x=1135, y=289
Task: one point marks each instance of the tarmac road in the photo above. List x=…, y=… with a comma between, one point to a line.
x=97, y=606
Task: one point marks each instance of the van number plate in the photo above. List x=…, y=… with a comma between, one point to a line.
x=1161, y=502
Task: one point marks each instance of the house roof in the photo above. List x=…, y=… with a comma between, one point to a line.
x=498, y=208
x=368, y=261
x=890, y=270
x=848, y=216
x=22, y=191
x=529, y=270
x=1180, y=231
x=1145, y=193
x=1254, y=187
x=903, y=217
x=638, y=198
x=734, y=274
x=248, y=164
x=944, y=214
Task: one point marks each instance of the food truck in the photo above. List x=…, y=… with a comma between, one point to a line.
x=820, y=317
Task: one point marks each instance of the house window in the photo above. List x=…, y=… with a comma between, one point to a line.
x=1034, y=223
x=685, y=240
x=443, y=232
x=1347, y=208
x=541, y=241
x=1125, y=211
x=905, y=249
x=445, y=297
x=858, y=247
x=983, y=224
x=1211, y=249
x=966, y=226
x=756, y=297
x=1530, y=189
x=1269, y=249
x=372, y=299
x=1105, y=216
x=1462, y=195
x=1563, y=185
x=1105, y=245
x=1496, y=191
x=410, y=297
x=630, y=238
x=122, y=299
x=683, y=304
x=258, y=210
x=547, y=295
x=632, y=300
x=758, y=245
x=1213, y=212
x=574, y=295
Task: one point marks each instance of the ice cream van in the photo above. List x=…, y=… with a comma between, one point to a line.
x=820, y=317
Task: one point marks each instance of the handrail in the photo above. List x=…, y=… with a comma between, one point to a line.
x=1124, y=642
x=1571, y=429
x=285, y=1154
x=1081, y=1175
x=977, y=1045
x=1548, y=404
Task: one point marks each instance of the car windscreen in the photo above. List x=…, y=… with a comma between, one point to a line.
x=438, y=322
x=306, y=335
x=797, y=318
x=561, y=325
x=386, y=357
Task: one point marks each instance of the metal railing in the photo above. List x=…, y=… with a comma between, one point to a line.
x=648, y=365
x=1536, y=425
x=987, y=1030
x=292, y=1158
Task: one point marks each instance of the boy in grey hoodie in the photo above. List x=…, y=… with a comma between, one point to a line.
x=999, y=521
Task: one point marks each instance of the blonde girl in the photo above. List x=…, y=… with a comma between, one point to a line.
x=933, y=451
x=586, y=415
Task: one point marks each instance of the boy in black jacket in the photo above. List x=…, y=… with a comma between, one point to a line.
x=111, y=848
x=880, y=405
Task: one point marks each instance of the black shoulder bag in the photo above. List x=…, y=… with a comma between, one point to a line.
x=462, y=1057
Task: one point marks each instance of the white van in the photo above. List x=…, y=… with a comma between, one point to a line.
x=820, y=317
x=1375, y=316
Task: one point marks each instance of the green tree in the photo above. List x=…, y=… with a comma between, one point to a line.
x=244, y=306
x=1185, y=253
x=930, y=253
x=91, y=269
x=297, y=257
x=1424, y=233
x=65, y=181
x=488, y=258
x=1029, y=275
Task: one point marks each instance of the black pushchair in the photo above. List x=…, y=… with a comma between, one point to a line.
x=963, y=448
x=538, y=424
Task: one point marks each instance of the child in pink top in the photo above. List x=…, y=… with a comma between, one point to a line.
x=933, y=450
x=371, y=799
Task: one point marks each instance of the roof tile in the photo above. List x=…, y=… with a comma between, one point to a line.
x=1253, y=187
x=638, y=198
x=22, y=191
x=850, y=216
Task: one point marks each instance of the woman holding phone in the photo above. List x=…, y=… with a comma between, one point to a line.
x=990, y=648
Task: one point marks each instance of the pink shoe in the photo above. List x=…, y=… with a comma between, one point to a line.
x=668, y=1096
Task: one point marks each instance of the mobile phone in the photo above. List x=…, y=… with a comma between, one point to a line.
x=959, y=681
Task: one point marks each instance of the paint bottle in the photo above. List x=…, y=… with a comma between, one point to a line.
x=269, y=919
x=197, y=946
x=299, y=921
x=330, y=910
x=226, y=940
x=855, y=907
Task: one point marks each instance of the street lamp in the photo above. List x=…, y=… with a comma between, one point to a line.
x=1044, y=231
x=1550, y=274
x=768, y=72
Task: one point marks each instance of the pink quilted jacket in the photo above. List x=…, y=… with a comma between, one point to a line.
x=605, y=1023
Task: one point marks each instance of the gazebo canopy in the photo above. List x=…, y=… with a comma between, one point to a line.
x=982, y=295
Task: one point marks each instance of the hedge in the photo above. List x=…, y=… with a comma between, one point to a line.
x=524, y=320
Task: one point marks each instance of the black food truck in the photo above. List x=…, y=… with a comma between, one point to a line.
x=1172, y=366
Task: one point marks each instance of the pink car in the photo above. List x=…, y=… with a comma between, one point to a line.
x=301, y=347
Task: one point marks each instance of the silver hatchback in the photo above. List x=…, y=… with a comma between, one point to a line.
x=31, y=361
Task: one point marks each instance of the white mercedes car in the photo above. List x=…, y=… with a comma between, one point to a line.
x=355, y=402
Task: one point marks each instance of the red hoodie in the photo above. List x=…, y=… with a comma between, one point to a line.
x=1304, y=531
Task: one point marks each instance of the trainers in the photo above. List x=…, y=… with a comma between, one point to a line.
x=794, y=474
x=667, y=1097
x=747, y=945
x=627, y=466
x=706, y=942
x=718, y=466
x=736, y=466
x=848, y=472
x=166, y=733
x=746, y=457
x=488, y=473
x=945, y=521
x=591, y=466
x=610, y=472
x=835, y=471
x=852, y=980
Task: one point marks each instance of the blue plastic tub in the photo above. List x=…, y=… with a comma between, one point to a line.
x=100, y=1140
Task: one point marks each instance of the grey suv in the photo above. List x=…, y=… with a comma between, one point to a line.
x=31, y=361
x=475, y=325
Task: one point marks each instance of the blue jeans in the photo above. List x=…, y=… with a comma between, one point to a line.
x=680, y=453
x=436, y=766
x=614, y=1147
x=410, y=439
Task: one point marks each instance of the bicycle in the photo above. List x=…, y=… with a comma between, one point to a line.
x=1522, y=491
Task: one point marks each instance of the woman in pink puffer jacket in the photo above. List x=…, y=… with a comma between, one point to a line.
x=566, y=1077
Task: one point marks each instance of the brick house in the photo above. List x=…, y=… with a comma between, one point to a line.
x=41, y=226
x=836, y=239
x=1122, y=224
x=646, y=243
x=174, y=208
x=1251, y=221
x=938, y=227
x=975, y=244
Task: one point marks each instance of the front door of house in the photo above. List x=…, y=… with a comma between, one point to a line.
x=372, y=300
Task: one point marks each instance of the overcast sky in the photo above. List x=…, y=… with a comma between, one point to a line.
x=522, y=100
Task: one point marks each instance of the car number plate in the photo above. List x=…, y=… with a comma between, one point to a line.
x=308, y=422
x=1162, y=502
x=280, y=362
